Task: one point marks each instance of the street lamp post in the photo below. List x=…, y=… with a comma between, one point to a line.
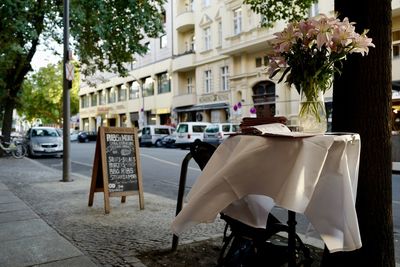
x=66, y=99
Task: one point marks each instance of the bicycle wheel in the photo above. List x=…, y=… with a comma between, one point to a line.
x=19, y=151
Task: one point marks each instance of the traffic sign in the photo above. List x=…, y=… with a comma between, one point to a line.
x=69, y=71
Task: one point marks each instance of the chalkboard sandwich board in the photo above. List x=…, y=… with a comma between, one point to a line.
x=116, y=167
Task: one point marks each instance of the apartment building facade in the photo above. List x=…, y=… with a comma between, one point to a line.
x=143, y=97
x=210, y=66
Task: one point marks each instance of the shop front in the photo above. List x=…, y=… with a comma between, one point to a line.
x=215, y=112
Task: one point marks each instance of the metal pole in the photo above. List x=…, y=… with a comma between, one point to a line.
x=66, y=100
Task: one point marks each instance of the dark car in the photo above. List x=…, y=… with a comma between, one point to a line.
x=84, y=137
x=168, y=141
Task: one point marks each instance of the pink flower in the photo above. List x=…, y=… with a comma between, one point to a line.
x=286, y=38
x=308, y=49
x=361, y=44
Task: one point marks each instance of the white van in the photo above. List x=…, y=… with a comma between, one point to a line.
x=188, y=132
x=152, y=134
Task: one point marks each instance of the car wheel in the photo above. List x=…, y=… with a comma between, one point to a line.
x=30, y=153
x=158, y=143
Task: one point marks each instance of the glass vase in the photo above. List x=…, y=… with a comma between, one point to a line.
x=312, y=113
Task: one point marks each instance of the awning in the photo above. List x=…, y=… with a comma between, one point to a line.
x=202, y=107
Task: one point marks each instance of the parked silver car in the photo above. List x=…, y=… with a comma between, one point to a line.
x=44, y=141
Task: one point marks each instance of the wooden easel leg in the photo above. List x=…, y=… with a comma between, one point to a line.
x=91, y=197
x=106, y=204
x=141, y=200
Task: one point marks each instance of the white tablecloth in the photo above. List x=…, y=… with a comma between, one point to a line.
x=316, y=176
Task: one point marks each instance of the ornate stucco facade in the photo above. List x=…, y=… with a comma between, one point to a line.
x=210, y=66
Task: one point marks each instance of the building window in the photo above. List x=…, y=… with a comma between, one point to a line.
x=111, y=95
x=102, y=99
x=266, y=60
x=237, y=21
x=189, y=44
x=396, y=43
x=134, y=88
x=206, y=3
x=207, y=81
x=164, y=16
x=123, y=120
x=258, y=62
x=396, y=36
x=84, y=101
x=163, y=41
x=314, y=10
x=121, y=92
x=396, y=50
x=189, y=5
x=219, y=33
x=148, y=47
x=164, y=85
x=148, y=87
x=93, y=99
x=189, y=85
x=225, y=78
x=207, y=38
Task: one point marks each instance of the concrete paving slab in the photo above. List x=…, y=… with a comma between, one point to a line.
x=81, y=261
x=22, y=229
x=17, y=215
x=48, y=247
x=8, y=197
x=13, y=206
x=3, y=187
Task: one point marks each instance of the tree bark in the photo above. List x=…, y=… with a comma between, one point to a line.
x=362, y=104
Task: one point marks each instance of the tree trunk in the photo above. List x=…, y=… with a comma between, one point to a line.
x=7, y=122
x=362, y=104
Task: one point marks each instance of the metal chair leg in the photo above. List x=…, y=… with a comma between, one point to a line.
x=181, y=193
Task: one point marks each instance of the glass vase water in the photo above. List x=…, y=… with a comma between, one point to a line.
x=312, y=113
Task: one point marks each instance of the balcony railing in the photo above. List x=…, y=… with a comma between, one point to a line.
x=184, y=21
x=184, y=100
x=185, y=61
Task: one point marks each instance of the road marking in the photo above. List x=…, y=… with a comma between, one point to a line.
x=84, y=164
x=169, y=162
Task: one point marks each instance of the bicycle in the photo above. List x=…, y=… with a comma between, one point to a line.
x=17, y=149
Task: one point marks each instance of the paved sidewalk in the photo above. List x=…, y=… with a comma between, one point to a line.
x=44, y=221
x=28, y=240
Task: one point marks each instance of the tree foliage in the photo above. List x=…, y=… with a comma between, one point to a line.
x=42, y=95
x=274, y=10
x=108, y=33
x=105, y=35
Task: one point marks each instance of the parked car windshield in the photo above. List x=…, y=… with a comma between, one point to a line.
x=182, y=128
x=212, y=128
x=161, y=131
x=146, y=130
x=44, y=132
x=235, y=128
x=199, y=128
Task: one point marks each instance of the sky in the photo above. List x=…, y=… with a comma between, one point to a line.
x=44, y=56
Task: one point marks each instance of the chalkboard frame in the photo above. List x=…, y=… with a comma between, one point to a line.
x=100, y=173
